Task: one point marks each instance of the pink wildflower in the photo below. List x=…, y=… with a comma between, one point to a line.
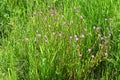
x=83, y=36
x=76, y=38
x=64, y=23
x=46, y=40
x=92, y=56
x=89, y=50
x=80, y=55
x=26, y=38
x=45, y=36
x=39, y=35
x=62, y=16
x=70, y=37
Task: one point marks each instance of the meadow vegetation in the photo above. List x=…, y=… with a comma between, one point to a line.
x=59, y=39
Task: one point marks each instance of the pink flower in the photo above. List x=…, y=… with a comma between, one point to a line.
x=45, y=36
x=64, y=23
x=80, y=55
x=26, y=38
x=52, y=14
x=92, y=56
x=39, y=35
x=89, y=50
x=46, y=40
x=83, y=36
x=70, y=37
x=62, y=16
x=76, y=38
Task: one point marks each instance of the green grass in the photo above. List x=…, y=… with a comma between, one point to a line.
x=59, y=40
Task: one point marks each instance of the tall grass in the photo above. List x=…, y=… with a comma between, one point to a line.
x=59, y=40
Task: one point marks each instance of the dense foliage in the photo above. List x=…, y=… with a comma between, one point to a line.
x=59, y=39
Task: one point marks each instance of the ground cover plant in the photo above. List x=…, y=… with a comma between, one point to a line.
x=59, y=39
